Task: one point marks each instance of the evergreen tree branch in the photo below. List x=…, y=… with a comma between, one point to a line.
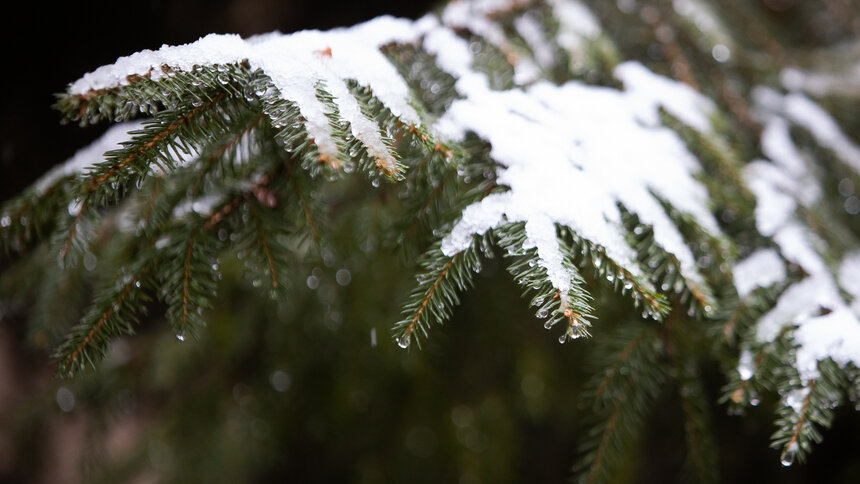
x=112, y=313
x=627, y=380
x=439, y=283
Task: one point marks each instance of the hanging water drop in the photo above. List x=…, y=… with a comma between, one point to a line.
x=403, y=340
x=5, y=221
x=376, y=182
x=789, y=454
x=542, y=313
x=549, y=324
x=90, y=261
x=180, y=336
x=562, y=338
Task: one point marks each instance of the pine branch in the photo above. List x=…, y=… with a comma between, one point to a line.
x=625, y=385
x=30, y=216
x=439, y=282
x=571, y=308
x=665, y=269
x=809, y=406
x=593, y=260
x=685, y=354
x=160, y=143
x=114, y=310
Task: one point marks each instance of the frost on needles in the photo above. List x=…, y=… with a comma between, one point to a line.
x=482, y=118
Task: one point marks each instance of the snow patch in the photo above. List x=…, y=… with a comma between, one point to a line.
x=296, y=63
x=762, y=268
x=562, y=149
x=827, y=326
x=112, y=139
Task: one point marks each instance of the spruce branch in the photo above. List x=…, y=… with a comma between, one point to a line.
x=572, y=308
x=808, y=407
x=592, y=259
x=440, y=281
x=114, y=310
x=31, y=216
x=665, y=269
x=621, y=394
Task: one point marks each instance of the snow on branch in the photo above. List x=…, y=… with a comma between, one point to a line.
x=828, y=325
x=570, y=154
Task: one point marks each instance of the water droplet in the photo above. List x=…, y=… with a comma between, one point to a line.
x=403, y=340
x=542, y=313
x=789, y=454
x=353, y=152
x=348, y=167
x=549, y=324
x=90, y=261
x=376, y=182
x=5, y=221
x=343, y=277
x=280, y=381
x=75, y=207
x=562, y=338
x=137, y=284
x=65, y=399
x=180, y=336
x=538, y=301
x=721, y=53
x=846, y=187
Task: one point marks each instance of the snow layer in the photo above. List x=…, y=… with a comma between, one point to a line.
x=563, y=148
x=802, y=111
x=827, y=326
x=762, y=268
x=570, y=153
x=296, y=63
x=93, y=153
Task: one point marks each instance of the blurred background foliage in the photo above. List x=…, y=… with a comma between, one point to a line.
x=312, y=389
